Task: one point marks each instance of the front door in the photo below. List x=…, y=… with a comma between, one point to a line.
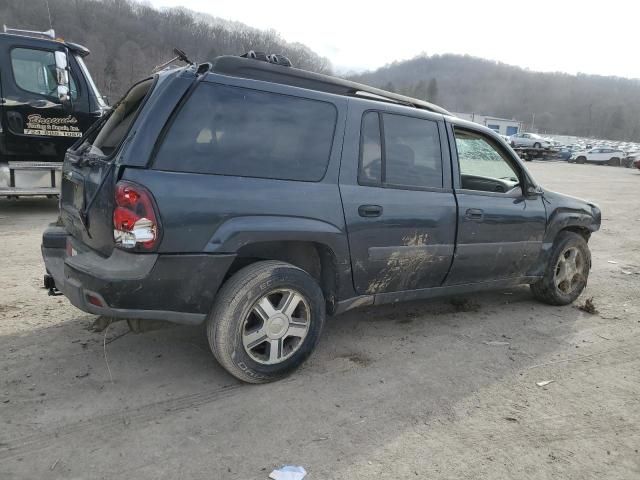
x=36, y=126
x=400, y=217
x=500, y=231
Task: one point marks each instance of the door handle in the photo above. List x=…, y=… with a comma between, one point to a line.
x=474, y=214
x=369, y=210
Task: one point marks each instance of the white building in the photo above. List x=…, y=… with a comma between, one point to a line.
x=503, y=126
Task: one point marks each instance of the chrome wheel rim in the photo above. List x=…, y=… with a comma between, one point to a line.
x=276, y=326
x=569, y=270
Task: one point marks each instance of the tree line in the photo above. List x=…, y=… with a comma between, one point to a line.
x=128, y=39
x=582, y=105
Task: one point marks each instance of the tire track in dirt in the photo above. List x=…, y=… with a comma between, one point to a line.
x=28, y=444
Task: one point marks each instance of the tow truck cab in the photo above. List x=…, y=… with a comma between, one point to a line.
x=48, y=101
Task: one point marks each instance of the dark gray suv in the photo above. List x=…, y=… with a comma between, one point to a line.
x=258, y=198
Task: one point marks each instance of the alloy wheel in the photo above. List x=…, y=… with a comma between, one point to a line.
x=276, y=326
x=569, y=271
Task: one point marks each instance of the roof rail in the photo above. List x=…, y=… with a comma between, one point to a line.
x=248, y=67
x=30, y=33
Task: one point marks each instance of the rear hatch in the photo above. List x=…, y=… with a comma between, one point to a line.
x=88, y=173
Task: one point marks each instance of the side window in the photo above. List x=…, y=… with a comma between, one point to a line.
x=35, y=72
x=370, y=150
x=236, y=131
x=412, y=147
x=409, y=155
x=483, y=166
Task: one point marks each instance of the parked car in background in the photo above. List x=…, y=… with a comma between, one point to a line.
x=532, y=140
x=631, y=159
x=564, y=153
x=601, y=156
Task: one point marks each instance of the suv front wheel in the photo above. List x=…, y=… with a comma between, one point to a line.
x=266, y=321
x=566, y=274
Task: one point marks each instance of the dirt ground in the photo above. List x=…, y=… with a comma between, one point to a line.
x=432, y=389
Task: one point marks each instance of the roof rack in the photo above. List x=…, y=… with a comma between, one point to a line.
x=51, y=34
x=247, y=67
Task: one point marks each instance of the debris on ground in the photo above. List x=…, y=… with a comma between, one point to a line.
x=588, y=306
x=544, y=383
x=496, y=343
x=464, y=305
x=613, y=262
x=100, y=324
x=288, y=472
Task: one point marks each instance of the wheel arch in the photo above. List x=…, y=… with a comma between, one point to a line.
x=317, y=247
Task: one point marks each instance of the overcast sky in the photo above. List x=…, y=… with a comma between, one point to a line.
x=566, y=36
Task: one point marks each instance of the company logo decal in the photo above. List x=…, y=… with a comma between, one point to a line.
x=52, y=126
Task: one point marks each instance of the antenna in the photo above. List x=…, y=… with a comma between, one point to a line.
x=49, y=13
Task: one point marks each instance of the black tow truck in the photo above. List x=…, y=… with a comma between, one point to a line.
x=48, y=100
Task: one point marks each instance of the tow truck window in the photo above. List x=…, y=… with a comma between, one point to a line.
x=35, y=71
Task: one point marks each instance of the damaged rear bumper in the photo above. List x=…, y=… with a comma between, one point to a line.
x=176, y=288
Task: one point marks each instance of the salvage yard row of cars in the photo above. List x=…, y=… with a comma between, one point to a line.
x=619, y=154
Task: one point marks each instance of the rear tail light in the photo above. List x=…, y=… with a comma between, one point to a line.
x=135, y=223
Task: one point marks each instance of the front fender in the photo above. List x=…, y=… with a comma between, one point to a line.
x=565, y=212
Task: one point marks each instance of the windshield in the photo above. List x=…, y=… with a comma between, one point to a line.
x=92, y=86
x=104, y=140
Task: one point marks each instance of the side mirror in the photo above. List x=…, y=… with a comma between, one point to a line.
x=533, y=191
x=62, y=79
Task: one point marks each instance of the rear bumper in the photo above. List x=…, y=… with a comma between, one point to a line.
x=176, y=288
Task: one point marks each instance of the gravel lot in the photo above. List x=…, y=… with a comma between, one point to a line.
x=432, y=389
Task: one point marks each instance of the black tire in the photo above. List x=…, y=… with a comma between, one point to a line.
x=545, y=289
x=537, y=145
x=234, y=304
x=581, y=160
x=614, y=162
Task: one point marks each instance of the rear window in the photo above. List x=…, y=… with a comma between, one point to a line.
x=241, y=132
x=106, y=139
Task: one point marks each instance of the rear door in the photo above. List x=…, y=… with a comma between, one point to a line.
x=399, y=208
x=500, y=231
x=88, y=171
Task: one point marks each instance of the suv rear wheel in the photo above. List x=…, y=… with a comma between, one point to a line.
x=266, y=321
x=567, y=271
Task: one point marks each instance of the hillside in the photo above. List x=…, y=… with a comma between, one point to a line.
x=127, y=39
x=583, y=105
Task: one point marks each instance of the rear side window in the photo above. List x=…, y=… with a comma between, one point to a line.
x=241, y=132
x=408, y=154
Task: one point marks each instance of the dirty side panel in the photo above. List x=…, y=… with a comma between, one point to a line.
x=409, y=244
